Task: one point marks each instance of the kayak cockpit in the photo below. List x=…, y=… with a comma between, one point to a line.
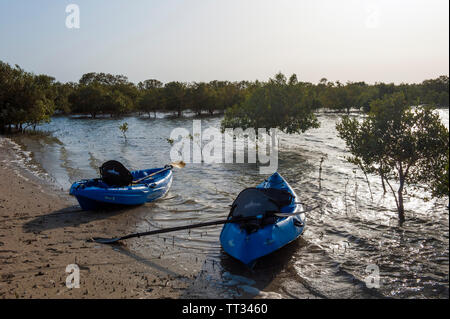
x=261, y=203
x=281, y=221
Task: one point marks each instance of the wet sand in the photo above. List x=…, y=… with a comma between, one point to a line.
x=43, y=230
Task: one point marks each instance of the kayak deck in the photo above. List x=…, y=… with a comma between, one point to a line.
x=248, y=247
x=95, y=194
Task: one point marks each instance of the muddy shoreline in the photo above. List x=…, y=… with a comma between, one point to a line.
x=42, y=231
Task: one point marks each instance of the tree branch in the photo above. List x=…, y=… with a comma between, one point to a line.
x=393, y=192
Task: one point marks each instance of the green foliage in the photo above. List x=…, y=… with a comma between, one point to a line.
x=62, y=93
x=151, y=100
x=400, y=143
x=150, y=84
x=439, y=184
x=434, y=91
x=151, y=97
x=353, y=95
x=88, y=100
x=100, y=93
x=202, y=97
x=276, y=104
x=175, y=97
x=25, y=99
x=124, y=129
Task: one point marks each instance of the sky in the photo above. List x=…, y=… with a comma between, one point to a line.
x=203, y=40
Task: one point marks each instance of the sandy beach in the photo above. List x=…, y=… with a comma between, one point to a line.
x=42, y=231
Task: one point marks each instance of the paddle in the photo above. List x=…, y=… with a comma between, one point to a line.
x=179, y=164
x=297, y=213
x=168, y=230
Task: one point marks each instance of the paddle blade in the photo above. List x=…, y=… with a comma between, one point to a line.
x=104, y=240
x=179, y=164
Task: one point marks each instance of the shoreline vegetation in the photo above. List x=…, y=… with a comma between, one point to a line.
x=27, y=99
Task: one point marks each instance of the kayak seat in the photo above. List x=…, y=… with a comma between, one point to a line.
x=114, y=173
x=258, y=201
x=252, y=226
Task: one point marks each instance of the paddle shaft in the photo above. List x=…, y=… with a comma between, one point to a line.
x=217, y=222
x=168, y=230
x=297, y=213
x=152, y=174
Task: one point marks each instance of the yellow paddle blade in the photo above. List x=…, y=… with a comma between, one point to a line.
x=179, y=164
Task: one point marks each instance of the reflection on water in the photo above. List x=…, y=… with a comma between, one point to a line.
x=352, y=229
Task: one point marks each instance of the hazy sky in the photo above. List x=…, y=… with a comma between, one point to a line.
x=202, y=40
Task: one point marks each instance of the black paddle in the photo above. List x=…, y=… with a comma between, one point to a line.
x=168, y=230
x=179, y=164
x=297, y=213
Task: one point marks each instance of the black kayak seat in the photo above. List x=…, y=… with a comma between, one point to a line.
x=115, y=173
x=259, y=201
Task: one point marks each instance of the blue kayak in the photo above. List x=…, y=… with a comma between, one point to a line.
x=94, y=194
x=249, y=241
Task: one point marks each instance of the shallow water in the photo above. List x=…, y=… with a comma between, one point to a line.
x=355, y=227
